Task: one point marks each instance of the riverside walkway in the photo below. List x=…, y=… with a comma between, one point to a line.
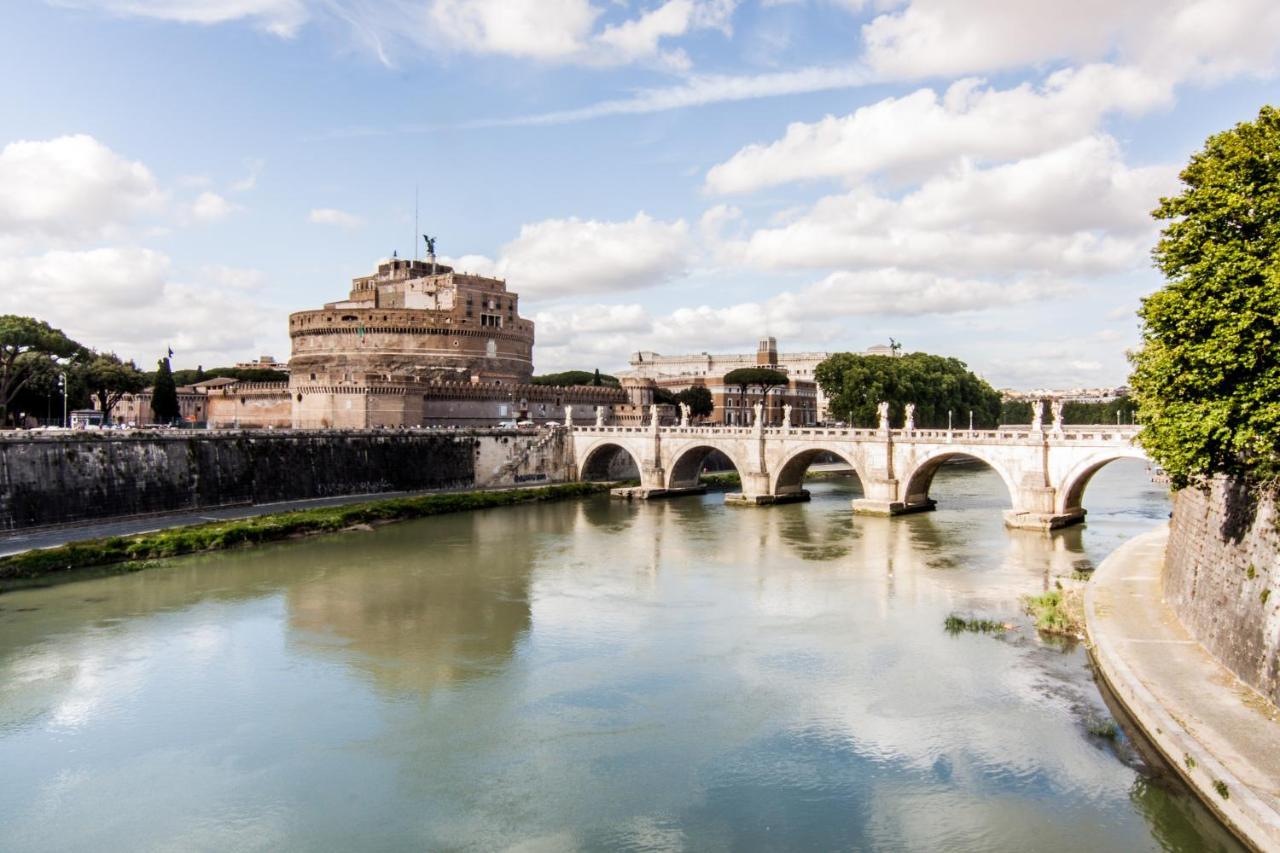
x=1222, y=737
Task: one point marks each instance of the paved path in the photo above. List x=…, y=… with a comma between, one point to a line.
x=17, y=542
x=1188, y=704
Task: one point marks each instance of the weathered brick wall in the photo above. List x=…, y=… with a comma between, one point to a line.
x=1222, y=578
x=49, y=480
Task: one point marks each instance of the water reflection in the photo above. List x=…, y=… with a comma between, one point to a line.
x=591, y=675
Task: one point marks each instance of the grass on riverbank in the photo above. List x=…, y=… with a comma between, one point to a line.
x=122, y=554
x=958, y=625
x=1058, y=611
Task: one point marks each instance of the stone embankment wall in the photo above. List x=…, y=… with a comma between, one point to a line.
x=1222, y=578
x=65, y=479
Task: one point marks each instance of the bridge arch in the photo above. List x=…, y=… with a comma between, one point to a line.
x=1071, y=489
x=686, y=464
x=789, y=476
x=608, y=460
x=917, y=481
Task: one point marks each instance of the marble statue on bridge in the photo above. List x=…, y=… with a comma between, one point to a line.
x=910, y=424
x=786, y=416
x=684, y=414
x=1057, y=415
x=882, y=409
x=1037, y=415
x=758, y=408
x=599, y=416
x=568, y=416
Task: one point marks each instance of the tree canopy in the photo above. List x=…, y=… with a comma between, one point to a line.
x=577, y=377
x=108, y=378
x=856, y=384
x=164, y=397
x=699, y=400
x=27, y=346
x=1207, y=377
x=756, y=377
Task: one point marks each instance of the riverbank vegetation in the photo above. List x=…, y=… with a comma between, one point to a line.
x=1059, y=611
x=955, y=624
x=122, y=554
x=1207, y=377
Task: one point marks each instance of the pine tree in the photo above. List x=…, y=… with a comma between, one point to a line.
x=164, y=396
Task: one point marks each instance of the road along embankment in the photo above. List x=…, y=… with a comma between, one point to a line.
x=1216, y=731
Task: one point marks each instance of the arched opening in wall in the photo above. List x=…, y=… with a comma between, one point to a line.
x=609, y=463
x=1120, y=485
x=816, y=462
x=702, y=465
x=958, y=481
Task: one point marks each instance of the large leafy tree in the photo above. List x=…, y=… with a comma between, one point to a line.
x=27, y=346
x=109, y=379
x=164, y=396
x=1207, y=378
x=576, y=377
x=699, y=400
x=856, y=384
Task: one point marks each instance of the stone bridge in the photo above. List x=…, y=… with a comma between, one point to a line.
x=1045, y=470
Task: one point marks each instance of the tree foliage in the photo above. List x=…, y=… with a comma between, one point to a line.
x=699, y=400
x=164, y=396
x=108, y=378
x=577, y=377
x=27, y=347
x=856, y=384
x=1207, y=378
x=1018, y=412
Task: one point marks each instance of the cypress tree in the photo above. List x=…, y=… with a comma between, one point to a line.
x=164, y=397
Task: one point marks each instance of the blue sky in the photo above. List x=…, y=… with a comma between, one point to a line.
x=969, y=177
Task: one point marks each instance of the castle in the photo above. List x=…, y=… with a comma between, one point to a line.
x=416, y=343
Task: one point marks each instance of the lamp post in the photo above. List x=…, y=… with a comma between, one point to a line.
x=63, y=382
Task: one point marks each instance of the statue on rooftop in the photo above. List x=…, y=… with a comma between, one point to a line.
x=431, y=245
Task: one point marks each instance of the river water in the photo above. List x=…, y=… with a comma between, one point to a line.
x=592, y=675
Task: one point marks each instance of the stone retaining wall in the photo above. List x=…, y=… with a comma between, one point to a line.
x=72, y=478
x=1222, y=578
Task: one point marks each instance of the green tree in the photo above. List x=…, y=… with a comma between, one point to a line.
x=576, y=377
x=856, y=384
x=699, y=400
x=763, y=379
x=663, y=396
x=26, y=346
x=1207, y=377
x=164, y=395
x=108, y=378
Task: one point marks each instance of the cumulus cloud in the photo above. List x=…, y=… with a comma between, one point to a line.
x=128, y=300
x=561, y=257
x=1077, y=209
x=919, y=133
x=333, y=216
x=1203, y=39
x=211, y=207
x=72, y=188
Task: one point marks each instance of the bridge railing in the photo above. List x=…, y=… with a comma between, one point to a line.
x=1003, y=435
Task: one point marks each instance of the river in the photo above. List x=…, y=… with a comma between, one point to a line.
x=590, y=675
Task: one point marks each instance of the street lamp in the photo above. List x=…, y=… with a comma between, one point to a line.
x=62, y=383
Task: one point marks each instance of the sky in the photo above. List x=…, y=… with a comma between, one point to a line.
x=972, y=178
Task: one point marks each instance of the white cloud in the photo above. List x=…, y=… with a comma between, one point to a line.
x=71, y=188
x=211, y=207
x=250, y=180
x=1077, y=209
x=333, y=216
x=921, y=132
x=126, y=300
x=280, y=17
x=564, y=257
x=1203, y=39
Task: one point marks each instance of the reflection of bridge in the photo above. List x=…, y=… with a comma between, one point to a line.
x=1045, y=471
